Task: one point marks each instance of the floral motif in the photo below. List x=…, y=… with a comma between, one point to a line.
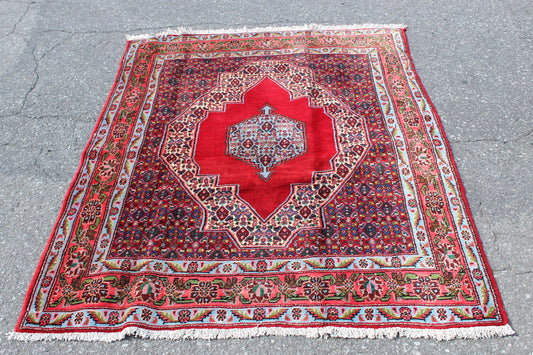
x=260, y=290
x=147, y=289
x=405, y=313
x=316, y=289
x=426, y=288
x=333, y=313
x=113, y=318
x=371, y=287
x=434, y=202
x=259, y=314
x=93, y=291
x=76, y=263
x=204, y=292
x=91, y=211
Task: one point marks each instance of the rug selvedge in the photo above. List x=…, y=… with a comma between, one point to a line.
x=379, y=239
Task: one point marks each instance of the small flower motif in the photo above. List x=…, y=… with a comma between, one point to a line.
x=184, y=316
x=333, y=313
x=46, y=281
x=397, y=85
x=192, y=267
x=90, y=211
x=259, y=314
x=67, y=291
x=405, y=313
x=441, y=313
x=434, y=202
x=107, y=169
x=146, y=315
x=141, y=68
x=316, y=289
x=466, y=235
x=120, y=130
x=441, y=233
x=363, y=263
x=126, y=265
x=93, y=291
x=329, y=263
x=78, y=318
x=420, y=235
x=296, y=265
x=391, y=59
x=426, y=288
x=221, y=315
x=477, y=313
x=369, y=314
x=158, y=266
x=113, y=318
x=172, y=292
x=204, y=292
x=261, y=266
x=226, y=268
x=410, y=118
x=396, y=262
x=296, y=313
x=477, y=274
x=104, y=243
x=58, y=245
x=45, y=319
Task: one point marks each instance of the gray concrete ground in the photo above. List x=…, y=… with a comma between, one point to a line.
x=58, y=60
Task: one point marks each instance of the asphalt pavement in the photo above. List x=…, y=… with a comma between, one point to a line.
x=58, y=61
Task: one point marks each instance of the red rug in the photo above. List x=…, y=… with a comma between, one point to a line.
x=289, y=182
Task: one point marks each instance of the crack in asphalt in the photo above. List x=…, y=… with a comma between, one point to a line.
x=19, y=20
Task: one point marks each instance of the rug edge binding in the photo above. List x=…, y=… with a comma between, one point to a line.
x=188, y=30
x=208, y=334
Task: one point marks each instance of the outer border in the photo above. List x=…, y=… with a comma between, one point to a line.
x=462, y=189
x=70, y=189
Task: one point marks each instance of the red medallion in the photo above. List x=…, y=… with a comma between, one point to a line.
x=266, y=194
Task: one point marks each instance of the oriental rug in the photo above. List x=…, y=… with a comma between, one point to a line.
x=292, y=181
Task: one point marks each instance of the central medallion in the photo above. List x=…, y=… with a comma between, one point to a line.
x=266, y=140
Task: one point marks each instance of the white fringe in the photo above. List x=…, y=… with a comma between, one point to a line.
x=438, y=334
x=312, y=26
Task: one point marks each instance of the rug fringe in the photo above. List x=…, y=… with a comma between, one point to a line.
x=438, y=334
x=313, y=26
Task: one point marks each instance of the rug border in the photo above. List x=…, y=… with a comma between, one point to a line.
x=453, y=332
x=84, y=157
x=462, y=190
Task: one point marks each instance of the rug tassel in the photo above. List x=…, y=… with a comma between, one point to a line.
x=438, y=334
x=186, y=30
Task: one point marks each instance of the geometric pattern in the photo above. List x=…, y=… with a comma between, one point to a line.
x=301, y=208
x=266, y=140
